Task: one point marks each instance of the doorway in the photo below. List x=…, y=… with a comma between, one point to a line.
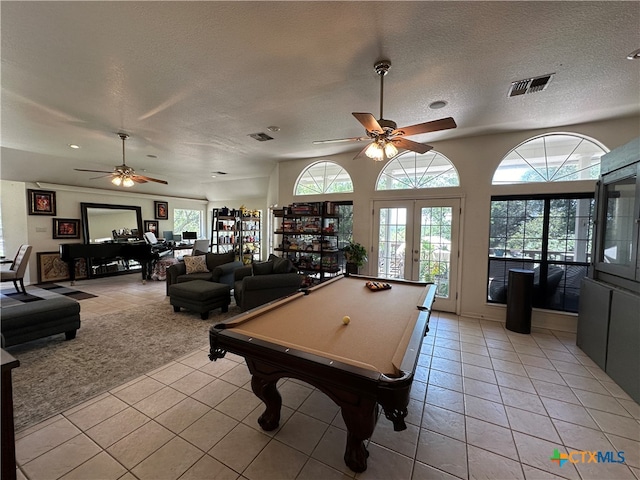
x=418, y=240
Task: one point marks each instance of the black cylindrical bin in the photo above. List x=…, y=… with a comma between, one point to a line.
x=519, y=300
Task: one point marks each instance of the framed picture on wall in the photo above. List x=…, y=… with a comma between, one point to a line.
x=161, y=210
x=151, y=226
x=66, y=228
x=52, y=269
x=42, y=202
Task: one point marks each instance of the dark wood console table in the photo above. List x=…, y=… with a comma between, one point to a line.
x=8, y=459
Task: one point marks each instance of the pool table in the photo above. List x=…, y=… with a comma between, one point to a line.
x=368, y=362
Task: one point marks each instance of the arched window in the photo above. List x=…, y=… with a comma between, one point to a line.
x=412, y=170
x=323, y=177
x=553, y=157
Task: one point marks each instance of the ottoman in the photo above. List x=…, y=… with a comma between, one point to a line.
x=33, y=320
x=200, y=296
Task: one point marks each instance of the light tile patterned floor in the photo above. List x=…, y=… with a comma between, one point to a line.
x=486, y=403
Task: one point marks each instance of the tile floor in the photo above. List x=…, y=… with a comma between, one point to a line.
x=486, y=403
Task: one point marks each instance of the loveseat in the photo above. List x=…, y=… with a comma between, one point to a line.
x=263, y=282
x=215, y=267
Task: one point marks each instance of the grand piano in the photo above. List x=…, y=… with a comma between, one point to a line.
x=102, y=253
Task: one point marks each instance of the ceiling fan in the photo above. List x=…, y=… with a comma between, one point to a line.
x=384, y=135
x=123, y=174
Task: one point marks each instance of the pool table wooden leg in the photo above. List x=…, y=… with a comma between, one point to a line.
x=266, y=391
x=360, y=423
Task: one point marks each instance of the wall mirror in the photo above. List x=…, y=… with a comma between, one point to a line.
x=102, y=222
x=106, y=226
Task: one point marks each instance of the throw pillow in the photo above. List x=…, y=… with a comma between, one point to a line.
x=281, y=265
x=262, y=268
x=196, y=264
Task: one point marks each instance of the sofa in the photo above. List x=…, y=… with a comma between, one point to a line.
x=214, y=267
x=498, y=287
x=263, y=282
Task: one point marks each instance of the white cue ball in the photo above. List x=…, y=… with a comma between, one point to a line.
x=346, y=319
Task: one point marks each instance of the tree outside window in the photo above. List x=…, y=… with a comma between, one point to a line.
x=549, y=234
x=187, y=221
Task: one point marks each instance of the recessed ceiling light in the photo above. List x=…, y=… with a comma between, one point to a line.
x=635, y=55
x=438, y=104
x=73, y=145
x=273, y=128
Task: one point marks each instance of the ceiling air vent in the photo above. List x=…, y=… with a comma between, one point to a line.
x=530, y=85
x=261, y=137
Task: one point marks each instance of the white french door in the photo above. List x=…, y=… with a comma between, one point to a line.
x=418, y=240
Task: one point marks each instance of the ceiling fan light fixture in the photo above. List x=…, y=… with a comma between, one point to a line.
x=375, y=152
x=390, y=150
x=127, y=182
x=117, y=181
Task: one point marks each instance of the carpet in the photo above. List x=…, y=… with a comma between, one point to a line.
x=109, y=350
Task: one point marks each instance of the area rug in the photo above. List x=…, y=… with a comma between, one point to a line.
x=108, y=351
x=16, y=297
x=66, y=291
x=9, y=296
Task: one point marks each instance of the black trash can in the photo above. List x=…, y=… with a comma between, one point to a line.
x=519, y=300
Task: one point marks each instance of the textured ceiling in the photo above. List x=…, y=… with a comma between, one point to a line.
x=190, y=80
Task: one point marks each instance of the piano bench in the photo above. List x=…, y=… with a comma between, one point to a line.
x=200, y=296
x=33, y=320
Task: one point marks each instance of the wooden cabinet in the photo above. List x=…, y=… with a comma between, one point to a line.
x=307, y=234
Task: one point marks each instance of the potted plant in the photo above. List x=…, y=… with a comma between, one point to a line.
x=355, y=255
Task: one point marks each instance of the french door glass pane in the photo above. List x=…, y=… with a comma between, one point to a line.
x=435, y=247
x=392, y=242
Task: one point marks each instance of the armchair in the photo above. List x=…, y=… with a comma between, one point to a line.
x=220, y=268
x=18, y=268
x=260, y=283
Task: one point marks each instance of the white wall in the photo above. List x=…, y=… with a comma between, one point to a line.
x=476, y=159
x=14, y=219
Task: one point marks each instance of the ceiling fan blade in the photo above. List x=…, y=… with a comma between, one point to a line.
x=339, y=140
x=368, y=121
x=411, y=145
x=361, y=151
x=434, y=126
x=101, y=176
x=137, y=178
x=94, y=171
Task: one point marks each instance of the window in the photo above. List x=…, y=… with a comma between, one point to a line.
x=323, y=177
x=549, y=234
x=555, y=157
x=411, y=170
x=187, y=221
